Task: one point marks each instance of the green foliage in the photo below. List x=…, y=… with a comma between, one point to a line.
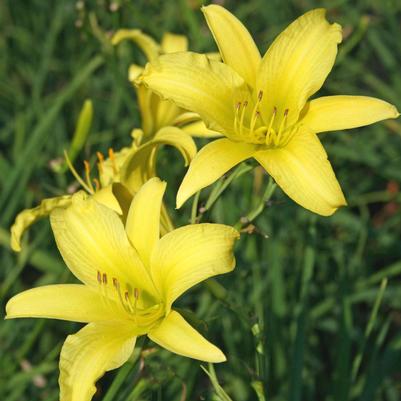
x=313, y=310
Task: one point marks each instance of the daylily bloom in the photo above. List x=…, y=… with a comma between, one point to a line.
x=124, y=172
x=131, y=277
x=261, y=105
x=118, y=181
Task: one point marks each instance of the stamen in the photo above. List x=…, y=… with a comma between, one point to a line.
x=97, y=184
x=101, y=161
x=87, y=175
x=102, y=281
x=237, y=108
x=113, y=160
x=255, y=113
x=242, y=118
x=75, y=174
x=269, y=130
x=116, y=285
x=281, y=128
x=128, y=302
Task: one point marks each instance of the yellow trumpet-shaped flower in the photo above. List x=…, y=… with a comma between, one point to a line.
x=155, y=112
x=261, y=105
x=131, y=277
x=118, y=181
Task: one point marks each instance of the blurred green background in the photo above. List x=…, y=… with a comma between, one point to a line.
x=313, y=312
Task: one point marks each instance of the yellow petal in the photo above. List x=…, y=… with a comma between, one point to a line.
x=146, y=100
x=177, y=336
x=91, y=238
x=172, y=43
x=143, y=221
x=198, y=129
x=88, y=354
x=166, y=225
x=211, y=162
x=166, y=113
x=139, y=166
x=143, y=41
x=296, y=65
x=236, y=46
x=303, y=172
x=191, y=124
x=191, y=254
x=333, y=113
x=106, y=197
x=74, y=302
x=134, y=71
x=196, y=83
x=29, y=216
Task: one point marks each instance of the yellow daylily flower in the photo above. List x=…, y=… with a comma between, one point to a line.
x=131, y=277
x=155, y=112
x=118, y=181
x=261, y=105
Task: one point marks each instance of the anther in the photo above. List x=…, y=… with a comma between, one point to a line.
x=104, y=278
x=245, y=103
x=260, y=95
x=99, y=277
x=87, y=166
x=113, y=160
x=136, y=293
x=101, y=160
x=87, y=175
x=97, y=184
x=238, y=106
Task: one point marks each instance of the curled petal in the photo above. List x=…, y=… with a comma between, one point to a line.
x=29, y=216
x=143, y=41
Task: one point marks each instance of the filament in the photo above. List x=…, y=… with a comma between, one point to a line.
x=76, y=175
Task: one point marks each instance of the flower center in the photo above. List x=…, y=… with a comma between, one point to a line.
x=143, y=312
x=250, y=126
x=107, y=169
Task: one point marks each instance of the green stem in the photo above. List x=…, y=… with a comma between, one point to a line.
x=258, y=209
